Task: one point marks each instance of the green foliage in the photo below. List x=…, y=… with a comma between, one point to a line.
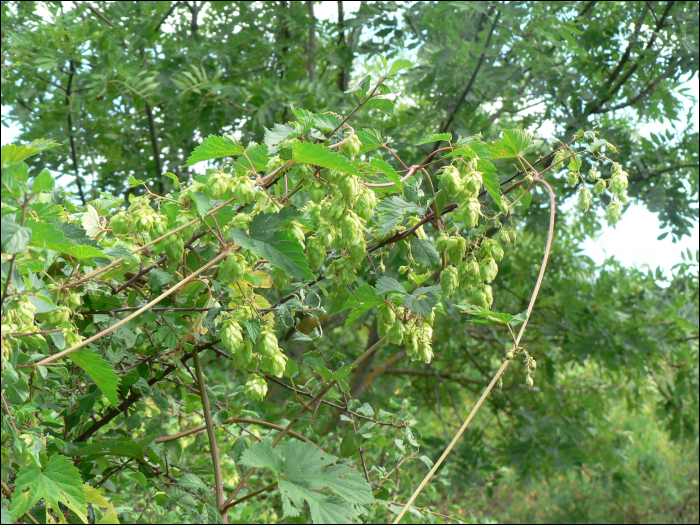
x=420, y=267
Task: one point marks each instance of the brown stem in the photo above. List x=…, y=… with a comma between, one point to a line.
x=474, y=410
x=211, y=431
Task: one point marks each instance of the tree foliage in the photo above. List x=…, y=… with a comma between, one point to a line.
x=251, y=302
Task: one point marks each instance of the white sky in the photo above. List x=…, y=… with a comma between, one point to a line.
x=633, y=241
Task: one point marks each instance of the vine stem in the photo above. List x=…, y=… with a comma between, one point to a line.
x=229, y=502
x=211, y=431
x=138, y=312
x=533, y=298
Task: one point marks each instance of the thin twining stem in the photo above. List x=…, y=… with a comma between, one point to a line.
x=138, y=312
x=533, y=298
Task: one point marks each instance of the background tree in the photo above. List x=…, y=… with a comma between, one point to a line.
x=131, y=89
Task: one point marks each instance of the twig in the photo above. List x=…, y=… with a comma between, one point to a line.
x=473, y=412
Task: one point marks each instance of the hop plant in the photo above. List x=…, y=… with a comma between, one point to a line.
x=255, y=387
x=592, y=175
x=342, y=271
x=584, y=199
x=296, y=229
x=242, y=356
x=326, y=234
x=385, y=319
x=56, y=317
x=572, y=178
x=120, y=223
x=451, y=180
x=396, y=333
x=275, y=364
x=232, y=268
x=244, y=191
x=449, y=280
x=275, y=163
x=488, y=269
x=358, y=252
x=600, y=186
x=267, y=343
x=469, y=273
x=280, y=279
x=481, y=296
x=183, y=218
x=471, y=210
x=491, y=248
x=352, y=230
x=455, y=248
x=218, y=184
x=619, y=181
x=231, y=336
x=317, y=191
x=73, y=301
x=365, y=204
x=316, y=253
x=472, y=182
x=160, y=224
x=613, y=213
x=352, y=147
x=349, y=187
x=174, y=247
x=25, y=311
x=240, y=221
x=144, y=218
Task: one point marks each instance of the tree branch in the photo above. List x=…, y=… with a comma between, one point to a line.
x=73, y=153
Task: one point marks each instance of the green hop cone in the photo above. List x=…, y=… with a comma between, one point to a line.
x=352, y=147
x=185, y=218
x=449, y=280
x=592, y=175
x=232, y=268
x=572, y=178
x=276, y=364
x=217, y=184
x=315, y=253
x=456, y=247
x=619, y=182
x=280, y=279
x=296, y=229
x=244, y=191
x=255, y=387
x=358, y=252
x=504, y=237
x=240, y=221
x=491, y=248
x=470, y=212
x=242, y=356
x=231, y=336
x=26, y=310
x=472, y=182
x=349, y=187
x=73, y=301
x=144, y=219
x=352, y=230
x=342, y=271
x=275, y=163
x=510, y=355
x=55, y=317
x=530, y=382
x=326, y=234
x=613, y=213
x=267, y=344
x=488, y=269
x=396, y=333
x=482, y=296
x=469, y=274
x=584, y=199
x=120, y=222
x=174, y=248
x=385, y=315
x=600, y=187
x=337, y=208
x=160, y=225
x=365, y=204
x=306, y=173
x=317, y=191
x=451, y=180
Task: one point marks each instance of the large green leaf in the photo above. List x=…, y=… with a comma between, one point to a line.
x=323, y=156
x=362, y=299
x=99, y=371
x=387, y=169
x=15, y=237
x=424, y=252
x=214, y=147
x=12, y=154
x=111, y=447
x=283, y=251
x=434, y=137
x=45, y=234
x=370, y=138
x=307, y=470
x=58, y=482
x=514, y=142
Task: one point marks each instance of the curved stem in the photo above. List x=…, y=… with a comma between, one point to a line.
x=211, y=431
x=533, y=298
